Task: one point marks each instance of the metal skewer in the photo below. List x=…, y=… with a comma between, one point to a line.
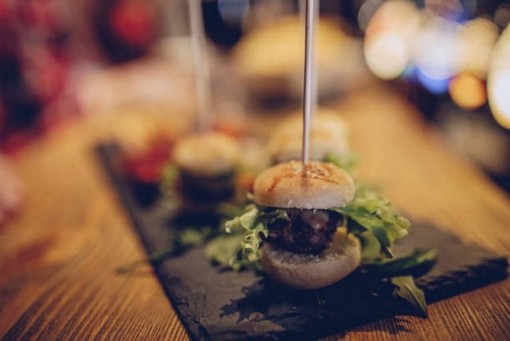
x=203, y=85
x=310, y=86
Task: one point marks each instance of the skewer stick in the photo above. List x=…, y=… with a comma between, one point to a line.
x=203, y=83
x=309, y=88
x=315, y=64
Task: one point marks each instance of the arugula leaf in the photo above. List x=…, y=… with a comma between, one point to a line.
x=371, y=212
x=370, y=246
x=192, y=236
x=223, y=248
x=230, y=210
x=415, y=264
x=407, y=289
x=347, y=162
x=168, y=180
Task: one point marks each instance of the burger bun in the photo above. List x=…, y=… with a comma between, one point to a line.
x=328, y=136
x=308, y=271
x=316, y=185
x=206, y=154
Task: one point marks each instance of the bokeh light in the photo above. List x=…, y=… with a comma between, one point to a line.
x=388, y=37
x=477, y=38
x=468, y=91
x=436, y=48
x=434, y=85
x=387, y=56
x=498, y=82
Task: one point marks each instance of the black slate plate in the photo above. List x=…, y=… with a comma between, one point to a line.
x=224, y=305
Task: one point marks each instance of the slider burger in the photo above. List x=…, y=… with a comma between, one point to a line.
x=306, y=246
x=308, y=227
x=269, y=58
x=328, y=137
x=206, y=165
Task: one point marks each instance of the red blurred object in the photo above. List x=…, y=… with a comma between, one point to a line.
x=147, y=166
x=39, y=14
x=5, y=11
x=35, y=68
x=232, y=126
x=134, y=22
x=126, y=29
x=46, y=74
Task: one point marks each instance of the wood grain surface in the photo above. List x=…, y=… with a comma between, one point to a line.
x=57, y=258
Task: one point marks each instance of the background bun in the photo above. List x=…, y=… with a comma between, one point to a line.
x=317, y=185
x=328, y=136
x=206, y=154
x=307, y=271
x=269, y=58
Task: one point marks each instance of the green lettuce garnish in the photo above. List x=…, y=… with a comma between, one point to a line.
x=347, y=161
x=253, y=223
x=375, y=222
x=169, y=176
x=369, y=217
x=415, y=264
x=407, y=289
x=222, y=248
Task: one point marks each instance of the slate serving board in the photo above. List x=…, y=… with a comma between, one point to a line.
x=224, y=305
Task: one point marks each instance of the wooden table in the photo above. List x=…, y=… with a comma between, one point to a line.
x=57, y=258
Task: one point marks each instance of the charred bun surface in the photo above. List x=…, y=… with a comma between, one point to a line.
x=316, y=185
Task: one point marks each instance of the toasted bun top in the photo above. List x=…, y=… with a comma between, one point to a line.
x=328, y=136
x=207, y=154
x=317, y=185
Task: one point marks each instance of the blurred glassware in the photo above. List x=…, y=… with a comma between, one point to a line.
x=223, y=21
x=227, y=92
x=157, y=92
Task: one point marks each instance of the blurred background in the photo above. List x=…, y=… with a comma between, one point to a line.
x=66, y=60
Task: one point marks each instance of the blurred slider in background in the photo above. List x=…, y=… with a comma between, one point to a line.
x=437, y=53
x=269, y=60
x=442, y=55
